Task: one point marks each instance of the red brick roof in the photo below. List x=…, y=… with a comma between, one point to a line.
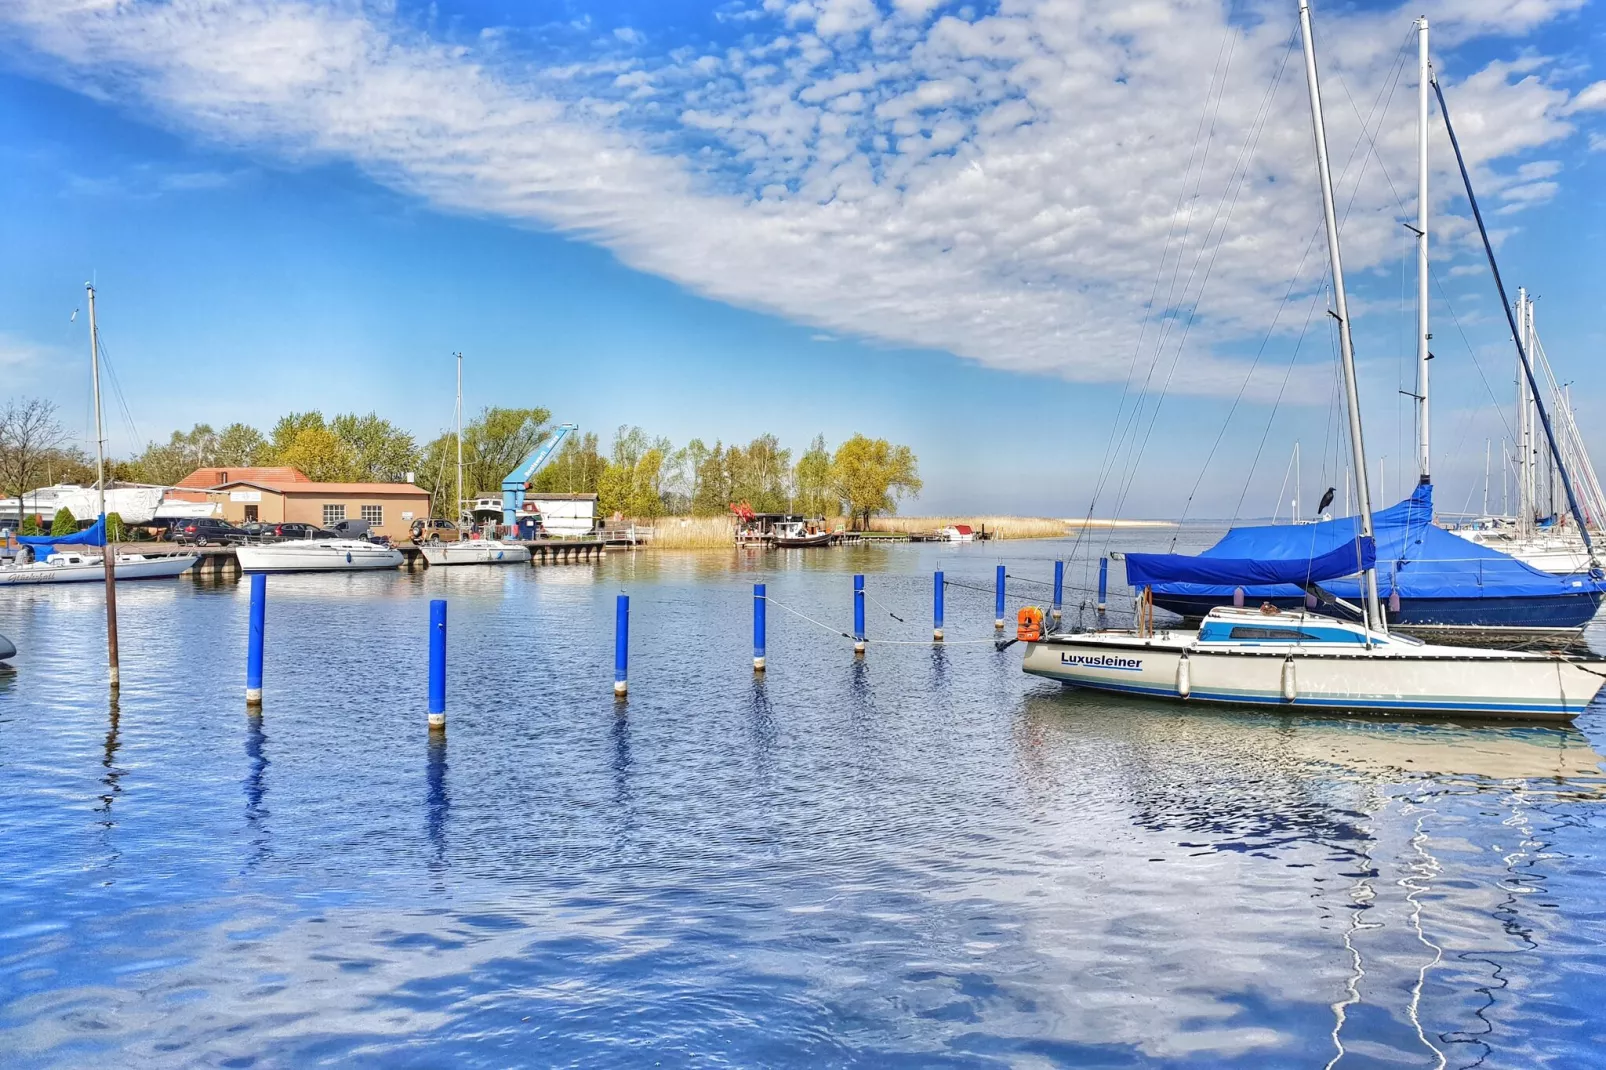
x=307, y=486
x=212, y=477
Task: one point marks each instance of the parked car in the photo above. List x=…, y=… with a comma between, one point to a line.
x=352, y=528
x=208, y=531
x=435, y=529
x=269, y=532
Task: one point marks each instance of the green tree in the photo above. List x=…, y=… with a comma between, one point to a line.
x=647, y=492
x=872, y=475
x=29, y=525
x=284, y=433
x=576, y=469
x=377, y=450
x=319, y=454
x=240, y=446
x=713, y=494
x=64, y=523
x=812, y=478
x=496, y=443
x=759, y=474
x=614, y=489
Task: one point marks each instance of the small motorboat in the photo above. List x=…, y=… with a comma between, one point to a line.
x=476, y=552
x=75, y=567
x=317, y=555
x=959, y=533
x=797, y=534
x=1300, y=660
x=8, y=649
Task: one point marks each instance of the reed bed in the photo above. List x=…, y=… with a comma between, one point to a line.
x=694, y=532
x=999, y=527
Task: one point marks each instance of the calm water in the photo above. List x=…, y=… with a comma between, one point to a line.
x=921, y=859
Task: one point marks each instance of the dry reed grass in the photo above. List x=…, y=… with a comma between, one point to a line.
x=694, y=532
x=999, y=527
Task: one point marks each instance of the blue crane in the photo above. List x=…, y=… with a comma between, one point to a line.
x=517, y=482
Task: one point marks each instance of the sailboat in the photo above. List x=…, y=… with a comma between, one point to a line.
x=1299, y=659
x=471, y=551
x=1436, y=585
x=62, y=558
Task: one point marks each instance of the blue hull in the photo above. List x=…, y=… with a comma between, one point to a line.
x=1546, y=613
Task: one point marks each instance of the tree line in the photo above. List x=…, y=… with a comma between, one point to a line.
x=640, y=475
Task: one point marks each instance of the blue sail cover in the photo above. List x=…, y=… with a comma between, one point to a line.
x=94, y=535
x=1152, y=570
x=1414, y=557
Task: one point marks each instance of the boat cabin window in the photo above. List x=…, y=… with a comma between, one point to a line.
x=1260, y=632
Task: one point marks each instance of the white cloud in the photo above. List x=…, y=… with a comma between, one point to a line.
x=1025, y=188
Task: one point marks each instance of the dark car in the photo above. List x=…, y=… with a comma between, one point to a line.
x=208, y=531
x=352, y=528
x=269, y=532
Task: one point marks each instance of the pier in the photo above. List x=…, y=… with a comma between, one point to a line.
x=220, y=561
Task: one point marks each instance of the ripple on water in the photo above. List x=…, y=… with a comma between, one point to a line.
x=922, y=858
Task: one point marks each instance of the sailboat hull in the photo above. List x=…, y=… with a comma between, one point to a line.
x=1426, y=681
x=1518, y=618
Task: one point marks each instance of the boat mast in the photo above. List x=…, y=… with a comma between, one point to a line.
x=109, y=556
x=1525, y=479
x=1422, y=335
x=1363, y=492
x=457, y=518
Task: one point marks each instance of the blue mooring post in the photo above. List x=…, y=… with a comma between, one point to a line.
x=758, y=627
x=936, y=607
x=621, y=646
x=437, y=664
x=1059, y=588
x=858, y=614
x=253, y=648
x=1104, y=581
x=998, y=600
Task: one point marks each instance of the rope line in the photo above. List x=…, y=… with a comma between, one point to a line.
x=878, y=642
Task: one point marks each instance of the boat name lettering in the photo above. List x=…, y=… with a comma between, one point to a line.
x=1102, y=661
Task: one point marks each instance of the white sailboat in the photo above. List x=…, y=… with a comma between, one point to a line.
x=64, y=565
x=317, y=555
x=471, y=551
x=1299, y=659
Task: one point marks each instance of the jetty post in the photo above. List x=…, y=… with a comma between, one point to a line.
x=758, y=627
x=254, y=639
x=437, y=665
x=998, y=599
x=936, y=607
x=858, y=614
x=1104, y=583
x=621, y=646
x=1059, y=588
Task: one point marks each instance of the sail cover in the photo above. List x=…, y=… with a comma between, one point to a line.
x=1149, y=570
x=94, y=535
x=1414, y=557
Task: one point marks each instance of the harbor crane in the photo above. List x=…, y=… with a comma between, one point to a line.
x=517, y=482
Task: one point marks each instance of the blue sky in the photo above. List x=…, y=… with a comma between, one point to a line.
x=941, y=223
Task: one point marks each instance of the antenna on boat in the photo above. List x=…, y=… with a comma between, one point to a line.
x=1363, y=491
x=114, y=672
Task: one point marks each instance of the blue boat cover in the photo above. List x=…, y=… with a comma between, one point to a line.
x=1152, y=570
x=94, y=535
x=1414, y=557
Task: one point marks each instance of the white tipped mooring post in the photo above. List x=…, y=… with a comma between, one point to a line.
x=759, y=596
x=254, y=639
x=437, y=665
x=858, y=614
x=621, y=646
x=998, y=599
x=936, y=608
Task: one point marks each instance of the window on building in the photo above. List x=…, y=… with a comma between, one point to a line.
x=374, y=514
x=250, y=514
x=333, y=514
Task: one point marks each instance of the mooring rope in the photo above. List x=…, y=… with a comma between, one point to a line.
x=879, y=642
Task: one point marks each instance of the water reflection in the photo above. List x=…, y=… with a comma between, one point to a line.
x=111, y=774
x=437, y=802
x=255, y=786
